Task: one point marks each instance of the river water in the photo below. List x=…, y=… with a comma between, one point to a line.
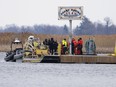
x=56, y=75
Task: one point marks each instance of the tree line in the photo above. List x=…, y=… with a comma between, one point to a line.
x=86, y=27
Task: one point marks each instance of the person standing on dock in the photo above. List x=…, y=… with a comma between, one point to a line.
x=74, y=46
x=64, y=46
x=79, y=46
x=90, y=47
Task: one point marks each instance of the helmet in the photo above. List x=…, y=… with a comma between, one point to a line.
x=30, y=38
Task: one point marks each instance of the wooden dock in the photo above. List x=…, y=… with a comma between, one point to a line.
x=87, y=59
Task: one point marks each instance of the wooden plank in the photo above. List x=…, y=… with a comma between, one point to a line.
x=87, y=59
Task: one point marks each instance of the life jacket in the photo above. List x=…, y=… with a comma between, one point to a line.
x=80, y=42
x=75, y=43
x=35, y=44
x=64, y=43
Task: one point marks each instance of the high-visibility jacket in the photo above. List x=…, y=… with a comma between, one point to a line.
x=35, y=44
x=64, y=43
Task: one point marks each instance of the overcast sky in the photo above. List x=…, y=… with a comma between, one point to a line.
x=30, y=12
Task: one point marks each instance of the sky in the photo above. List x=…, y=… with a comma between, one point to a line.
x=31, y=12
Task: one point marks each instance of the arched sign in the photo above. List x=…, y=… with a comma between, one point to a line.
x=70, y=13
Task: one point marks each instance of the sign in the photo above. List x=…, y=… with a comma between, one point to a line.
x=70, y=13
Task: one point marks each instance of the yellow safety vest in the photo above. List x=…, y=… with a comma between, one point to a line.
x=64, y=43
x=35, y=44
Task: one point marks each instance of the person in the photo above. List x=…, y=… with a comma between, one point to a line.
x=90, y=47
x=51, y=46
x=74, y=44
x=55, y=46
x=79, y=46
x=45, y=42
x=64, y=46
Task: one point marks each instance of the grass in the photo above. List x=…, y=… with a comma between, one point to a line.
x=104, y=43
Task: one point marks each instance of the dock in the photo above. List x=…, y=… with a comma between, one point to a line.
x=87, y=59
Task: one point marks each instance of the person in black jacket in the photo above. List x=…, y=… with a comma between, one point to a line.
x=45, y=42
x=55, y=46
x=51, y=46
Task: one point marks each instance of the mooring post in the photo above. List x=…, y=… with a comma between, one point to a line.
x=70, y=37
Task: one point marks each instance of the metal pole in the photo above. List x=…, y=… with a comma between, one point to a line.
x=70, y=37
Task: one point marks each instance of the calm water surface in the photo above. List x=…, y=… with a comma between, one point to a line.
x=56, y=75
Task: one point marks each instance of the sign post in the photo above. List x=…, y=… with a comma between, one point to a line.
x=70, y=36
x=70, y=13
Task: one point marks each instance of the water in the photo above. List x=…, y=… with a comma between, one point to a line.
x=56, y=75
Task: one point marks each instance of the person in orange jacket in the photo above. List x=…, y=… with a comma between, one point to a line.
x=74, y=44
x=79, y=46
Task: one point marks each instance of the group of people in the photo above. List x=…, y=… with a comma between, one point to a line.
x=52, y=44
x=76, y=46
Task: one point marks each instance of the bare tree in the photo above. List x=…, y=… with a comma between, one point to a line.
x=108, y=23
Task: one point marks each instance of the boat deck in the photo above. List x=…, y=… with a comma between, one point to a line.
x=32, y=60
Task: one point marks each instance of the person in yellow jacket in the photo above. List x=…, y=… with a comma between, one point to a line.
x=64, y=46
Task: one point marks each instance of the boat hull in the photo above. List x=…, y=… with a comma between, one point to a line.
x=13, y=57
x=9, y=57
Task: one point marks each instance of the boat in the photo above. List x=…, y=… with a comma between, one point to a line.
x=37, y=53
x=16, y=52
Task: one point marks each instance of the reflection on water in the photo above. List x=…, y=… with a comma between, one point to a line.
x=2, y=56
x=56, y=75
